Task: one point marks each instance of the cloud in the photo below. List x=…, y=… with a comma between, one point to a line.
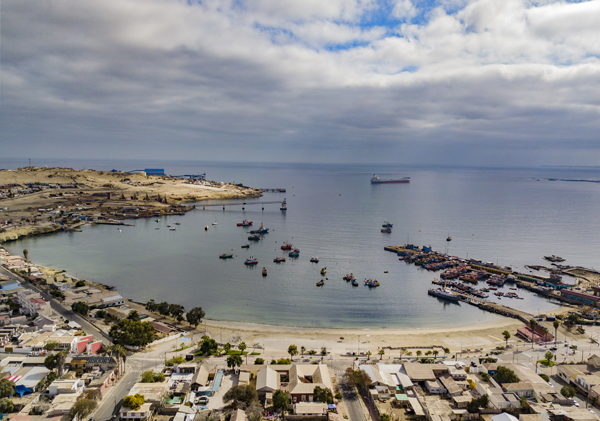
x=229, y=78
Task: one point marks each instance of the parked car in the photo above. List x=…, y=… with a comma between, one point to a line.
x=202, y=400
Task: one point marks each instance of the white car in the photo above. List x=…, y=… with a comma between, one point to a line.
x=576, y=404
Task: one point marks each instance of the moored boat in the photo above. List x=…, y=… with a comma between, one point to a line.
x=283, y=205
x=261, y=230
x=244, y=223
x=264, y=271
x=254, y=237
x=225, y=256
x=314, y=259
x=320, y=283
x=387, y=230
x=386, y=224
x=349, y=277
x=286, y=246
x=323, y=271
x=294, y=253
x=279, y=259
x=251, y=261
x=246, y=246
x=443, y=293
x=354, y=283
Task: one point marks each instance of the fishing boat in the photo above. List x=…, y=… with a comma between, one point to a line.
x=354, y=283
x=168, y=226
x=215, y=223
x=323, y=271
x=225, y=256
x=286, y=246
x=314, y=259
x=157, y=219
x=251, y=261
x=320, y=283
x=264, y=271
x=371, y=283
x=443, y=293
x=206, y=228
x=244, y=223
x=448, y=238
x=254, y=237
x=279, y=259
x=261, y=230
x=172, y=229
x=283, y=205
x=349, y=277
x=246, y=246
x=387, y=230
x=386, y=224
x=177, y=223
x=294, y=253
x=377, y=180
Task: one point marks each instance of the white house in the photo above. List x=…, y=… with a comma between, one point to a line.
x=66, y=386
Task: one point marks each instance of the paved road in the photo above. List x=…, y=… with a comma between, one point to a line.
x=96, y=333
x=351, y=401
x=111, y=401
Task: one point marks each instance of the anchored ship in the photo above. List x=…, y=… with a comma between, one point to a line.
x=377, y=180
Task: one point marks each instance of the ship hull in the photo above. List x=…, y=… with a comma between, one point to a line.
x=389, y=181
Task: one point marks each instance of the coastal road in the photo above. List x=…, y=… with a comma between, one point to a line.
x=111, y=401
x=351, y=401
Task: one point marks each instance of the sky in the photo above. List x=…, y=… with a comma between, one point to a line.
x=446, y=82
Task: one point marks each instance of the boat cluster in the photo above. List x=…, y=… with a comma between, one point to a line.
x=387, y=227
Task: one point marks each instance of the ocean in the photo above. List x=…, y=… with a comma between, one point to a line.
x=512, y=217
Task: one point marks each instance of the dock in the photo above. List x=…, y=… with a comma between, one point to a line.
x=243, y=204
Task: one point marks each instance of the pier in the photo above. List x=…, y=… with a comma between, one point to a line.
x=244, y=204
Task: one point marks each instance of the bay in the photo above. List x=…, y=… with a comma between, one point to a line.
x=507, y=216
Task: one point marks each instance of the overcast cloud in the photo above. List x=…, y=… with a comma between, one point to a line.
x=476, y=82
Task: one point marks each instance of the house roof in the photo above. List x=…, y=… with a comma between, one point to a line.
x=504, y=417
x=267, y=380
x=450, y=385
x=300, y=374
x=517, y=386
x=421, y=372
x=201, y=376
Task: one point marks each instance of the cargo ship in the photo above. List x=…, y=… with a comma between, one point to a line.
x=377, y=180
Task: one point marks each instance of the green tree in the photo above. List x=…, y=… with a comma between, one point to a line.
x=194, y=316
x=322, y=394
x=435, y=353
x=505, y=375
x=548, y=355
x=81, y=308
x=568, y=391
x=80, y=283
x=475, y=404
x=419, y=353
x=26, y=254
x=302, y=350
x=121, y=354
x=134, y=402
x=163, y=308
x=242, y=347
x=281, y=400
x=7, y=388
x=293, y=351
x=227, y=348
x=176, y=310
x=556, y=324
x=132, y=333
x=545, y=377
x=384, y=417
x=243, y=395
x=56, y=361
x=134, y=315
x=234, y=361
x=506, y=335
x=446, y=351
x=6, y=406
x=259, y=361
x=381, y=352
x=151, y=377
x=51, y=346
x=208, y=346
x=402, y=352
x=357, y=378
x=323, y=352
x=82, y=408
x=151, y=306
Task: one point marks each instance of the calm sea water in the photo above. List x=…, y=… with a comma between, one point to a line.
x=508, y=216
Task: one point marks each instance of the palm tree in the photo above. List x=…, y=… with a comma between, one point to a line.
x=381, y=352
x=242, y=347
x=323, y=353
x=121, y=355
x=402, y=352
x=545, y=334
x=446, y=351
x=302, y=350
x=556, y=324
x=26, y=254
x=435, y=353
x=532, y=326
x=506, y=335
x=419, y=353
x=368, y=355
x=226, y=348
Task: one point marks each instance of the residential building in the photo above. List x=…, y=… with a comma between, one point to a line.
x=58, y=387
